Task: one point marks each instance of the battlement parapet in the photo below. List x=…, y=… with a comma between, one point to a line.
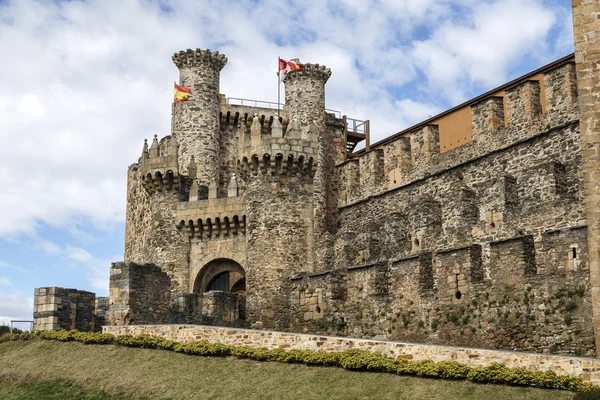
x=277, y=153
x=159, y=166
x=320, y=72
x=199, y=57
x=498, y=123
x=213, y=218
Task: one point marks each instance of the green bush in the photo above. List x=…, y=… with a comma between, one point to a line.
x=7, y=337
x=354, y=359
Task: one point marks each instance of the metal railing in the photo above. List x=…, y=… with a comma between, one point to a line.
x=12, y=321
x=238, y=101
x=356, y=125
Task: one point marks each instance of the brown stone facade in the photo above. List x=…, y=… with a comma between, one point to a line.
x=588, y=369
x=58, y=308
x=248, y=216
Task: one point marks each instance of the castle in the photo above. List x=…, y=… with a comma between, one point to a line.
x=479, y=226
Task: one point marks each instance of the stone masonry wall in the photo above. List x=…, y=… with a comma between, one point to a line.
x=139, y=294
x=58, y=308
x=586, y=24
x=482, y=245
x=151, y=230
x=195, y=123
x=586, y=368
x=278, y=247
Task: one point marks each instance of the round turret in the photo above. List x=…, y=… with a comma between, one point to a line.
x=305, y=96
x=195, y=123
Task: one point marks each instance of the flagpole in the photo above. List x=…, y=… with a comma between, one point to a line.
x=278, y=85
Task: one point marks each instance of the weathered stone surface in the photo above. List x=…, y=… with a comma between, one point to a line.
x=586, y=368
x=586, y=24
x=57, y=308
x=490, y=244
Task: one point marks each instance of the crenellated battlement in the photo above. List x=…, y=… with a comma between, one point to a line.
x=499, y=120
x=268, y=149
x=159, y=167
x=320, y=72
x=479, y=205
x=199, y=57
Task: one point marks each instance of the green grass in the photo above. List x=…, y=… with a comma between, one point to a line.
x=39, y=369
x=50, y=390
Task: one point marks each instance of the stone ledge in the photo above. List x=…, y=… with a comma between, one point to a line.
x=585, y=367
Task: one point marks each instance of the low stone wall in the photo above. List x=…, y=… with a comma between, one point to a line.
x=58, y=308
x=586, y=368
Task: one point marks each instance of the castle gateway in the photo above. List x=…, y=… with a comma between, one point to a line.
x=479, y=226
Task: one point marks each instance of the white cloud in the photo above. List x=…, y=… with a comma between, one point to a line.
x=481, y=48
x=98, y=269
x=4, y=281
x=83, y=83
x=49, y=246
x=15, y=306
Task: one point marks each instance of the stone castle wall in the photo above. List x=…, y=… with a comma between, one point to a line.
x=586, y=24
x=587, y=368
x=58, y=308
x=154, y=190
x=489, y=244
x=142, y=294
x=484, y=245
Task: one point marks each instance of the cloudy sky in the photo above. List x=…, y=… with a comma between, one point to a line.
x=82, y=83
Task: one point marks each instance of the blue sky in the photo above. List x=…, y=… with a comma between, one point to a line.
x=82, y=83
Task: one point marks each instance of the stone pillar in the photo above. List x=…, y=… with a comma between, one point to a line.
x=305, y=97
x=195, y=123
x=586, y=27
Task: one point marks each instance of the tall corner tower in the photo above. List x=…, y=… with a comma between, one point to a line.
x=195, y=123
x=278, y=168
x=586, y=24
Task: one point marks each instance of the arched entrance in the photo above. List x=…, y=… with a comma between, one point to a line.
x=221, y=284
x=223, y=275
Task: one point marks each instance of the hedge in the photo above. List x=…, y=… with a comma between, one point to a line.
x=355, y=359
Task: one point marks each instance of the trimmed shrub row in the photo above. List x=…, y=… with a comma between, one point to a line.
x=355, y=359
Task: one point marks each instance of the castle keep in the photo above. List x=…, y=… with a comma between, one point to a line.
x=476, y=227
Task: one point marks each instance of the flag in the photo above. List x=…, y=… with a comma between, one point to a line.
x=288, y=66
x=181, y=93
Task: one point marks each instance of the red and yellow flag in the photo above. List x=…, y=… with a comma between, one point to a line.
x=181, y=93
x=288, y=66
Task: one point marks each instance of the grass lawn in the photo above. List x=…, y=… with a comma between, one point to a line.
x=43, y=369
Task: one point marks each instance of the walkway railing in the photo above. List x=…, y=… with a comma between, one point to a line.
x=355, y=130
x=238, y=101
x=12, y=321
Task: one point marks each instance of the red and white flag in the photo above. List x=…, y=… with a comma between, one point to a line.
x=287, y=66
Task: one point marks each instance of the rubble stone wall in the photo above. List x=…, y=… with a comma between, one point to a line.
x=57, y=308
x=482, y=245
x=586, y=24
x=139, y=294
x=586, y=368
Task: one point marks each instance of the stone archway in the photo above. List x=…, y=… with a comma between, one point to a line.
x=221, y=274
x=221, y=285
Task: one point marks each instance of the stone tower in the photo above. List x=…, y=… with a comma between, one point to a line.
x=278, y=171
x=154, y=189
x=195, y=123
x=586, y=24
x=162, y=178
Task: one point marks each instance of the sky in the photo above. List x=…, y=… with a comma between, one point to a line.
x=82, y=83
